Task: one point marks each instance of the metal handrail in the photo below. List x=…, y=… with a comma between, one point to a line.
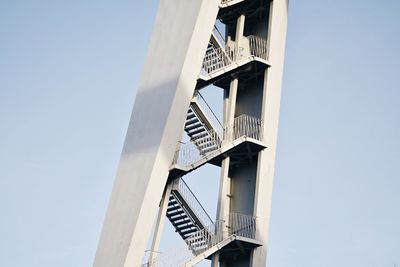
x=242, y=225
x=210, y=113
x=258, y=47
x=218, y=58
x=187, y=154
x=192, y=201
x=171, y=258
x=205, y=145
x=218, y=34
x=215, y=59
x=234, y=224
x=225, y=1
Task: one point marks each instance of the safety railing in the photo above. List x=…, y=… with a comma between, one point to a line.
x=215, y=59
x=174, y=257
x=226, y=1
x=235, y=224
x=217, y=33
x=204, y=239
x=192, y=201
x=187, y=154
x=258, y=47
x=242, y=225
x=245, y=125
x=207, y=144
x=219, y=58
x=215, y=122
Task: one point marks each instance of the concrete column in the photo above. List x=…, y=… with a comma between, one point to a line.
x=270, y=117
x=224, y=187
x=240, y=28
x=229, y=116
x=239, y=35
x=224, y=193
x=180, y=37
x=229, y=109
x=225, y=183
x=215, y=260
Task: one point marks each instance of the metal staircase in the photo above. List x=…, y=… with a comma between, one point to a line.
x=202, y=236
x=200, y=125
x=197, y=152
x=216, y=58
x=180, y=218
x=184, y=211
x=221, y=63
x=198, y=131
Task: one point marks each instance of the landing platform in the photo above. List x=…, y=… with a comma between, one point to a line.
x=241, y=146
x=223, y=76
x=230, y=10
x=238, y=246
x=233, y=245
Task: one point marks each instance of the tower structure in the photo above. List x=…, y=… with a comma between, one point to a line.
x=187, y=54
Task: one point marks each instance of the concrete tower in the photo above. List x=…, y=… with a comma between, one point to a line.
x=187, y=53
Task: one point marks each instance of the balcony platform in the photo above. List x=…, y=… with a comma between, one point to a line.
x=230, y=10
x=229, y=3
x=241, y=146
x=223, y=76
x=238, y=246
x=233, y=245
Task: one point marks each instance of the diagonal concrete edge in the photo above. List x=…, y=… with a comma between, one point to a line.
x=182, y=31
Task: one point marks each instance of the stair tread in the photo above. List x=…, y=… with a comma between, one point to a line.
x=189, y=231
x=191, y=120
x=173, y=208
x=188, y=223
x=184, y=228
x=174, y=213
x=172, y=202
x=202, y=136
x=207, y=145
x=193, y=126
x=190, y=116
x=200, y=130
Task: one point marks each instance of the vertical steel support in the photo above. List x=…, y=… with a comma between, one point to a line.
x=215, y=260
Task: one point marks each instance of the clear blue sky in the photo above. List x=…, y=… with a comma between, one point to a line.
x=68, y=76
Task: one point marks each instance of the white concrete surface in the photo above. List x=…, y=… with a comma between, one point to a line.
x=180, y=37
x=270, y=115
